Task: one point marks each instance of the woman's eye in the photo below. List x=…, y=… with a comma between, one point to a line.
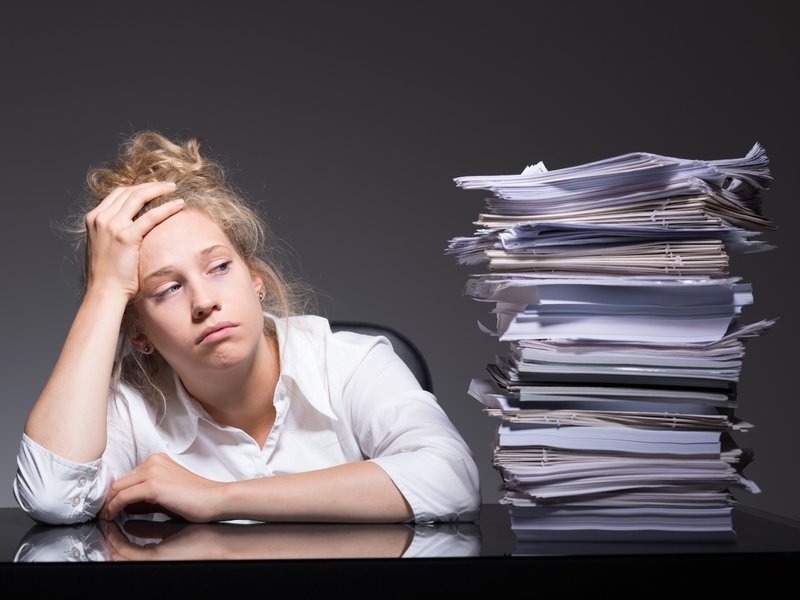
x=222, y=267
x=171, y=289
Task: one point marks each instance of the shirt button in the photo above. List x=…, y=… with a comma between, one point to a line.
x=81, y=482
x=75, y=553
x=282, y=390
x=76, y=500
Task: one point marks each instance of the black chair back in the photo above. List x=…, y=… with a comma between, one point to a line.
x=403, y=347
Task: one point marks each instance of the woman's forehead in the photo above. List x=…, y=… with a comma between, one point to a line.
x=184, y=235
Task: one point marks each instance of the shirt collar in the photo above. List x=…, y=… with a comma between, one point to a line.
x=301, y=343
x=177, y=425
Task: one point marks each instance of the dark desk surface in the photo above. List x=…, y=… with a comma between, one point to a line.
x=464, y=557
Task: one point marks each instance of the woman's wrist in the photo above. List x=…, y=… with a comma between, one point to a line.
x=228, y=501
x=106, y=295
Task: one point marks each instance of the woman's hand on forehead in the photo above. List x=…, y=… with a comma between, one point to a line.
x=114, y=238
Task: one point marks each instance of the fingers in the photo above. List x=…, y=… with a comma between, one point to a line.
x=117, y=210
x=106, y=202
x=120, y=494
x=140, y=487
x=138, y=497
x=151, y=218
x=132, y=232
x=128, y=201
x=137, y=196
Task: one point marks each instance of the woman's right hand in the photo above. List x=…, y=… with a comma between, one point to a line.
x=114, y=238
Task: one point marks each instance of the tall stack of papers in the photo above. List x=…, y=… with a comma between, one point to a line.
x=610, y=281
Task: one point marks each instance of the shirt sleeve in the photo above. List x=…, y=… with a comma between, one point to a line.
x=54, y=490
x=401, y=428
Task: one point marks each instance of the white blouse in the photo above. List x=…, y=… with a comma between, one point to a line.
x=341, y=397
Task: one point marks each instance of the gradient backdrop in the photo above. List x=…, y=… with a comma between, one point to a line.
x=346, y=123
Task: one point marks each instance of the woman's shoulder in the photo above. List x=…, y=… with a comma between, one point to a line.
x=308, y=339
x=312, y=324
x=318, y=331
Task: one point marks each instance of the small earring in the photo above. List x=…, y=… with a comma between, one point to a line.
x=260, y=295
x=146, y=349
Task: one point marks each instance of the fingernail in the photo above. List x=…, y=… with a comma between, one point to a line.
x=179, y=201
x=170, y=183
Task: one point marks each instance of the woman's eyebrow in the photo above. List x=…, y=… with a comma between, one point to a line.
x=160, y=272
x=169, y=268
x=211, y=249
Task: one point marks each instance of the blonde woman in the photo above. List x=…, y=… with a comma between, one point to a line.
x=223, y=403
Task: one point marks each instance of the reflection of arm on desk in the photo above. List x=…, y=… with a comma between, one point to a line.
x=147, y=540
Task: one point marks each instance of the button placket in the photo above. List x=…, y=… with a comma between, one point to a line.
x=281, y=403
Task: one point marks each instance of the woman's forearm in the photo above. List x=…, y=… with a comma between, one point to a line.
x=359, y=492
x=69, y=418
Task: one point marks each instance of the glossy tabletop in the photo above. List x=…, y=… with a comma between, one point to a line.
x=445, y=557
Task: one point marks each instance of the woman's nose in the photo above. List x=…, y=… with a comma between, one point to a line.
x=204, y=303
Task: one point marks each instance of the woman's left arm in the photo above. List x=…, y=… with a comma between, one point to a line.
x=359, y=492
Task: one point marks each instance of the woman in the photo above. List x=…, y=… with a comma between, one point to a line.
x=222, y=406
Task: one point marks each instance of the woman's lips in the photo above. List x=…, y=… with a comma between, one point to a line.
x=216, y=332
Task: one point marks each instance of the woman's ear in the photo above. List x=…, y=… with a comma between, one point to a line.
x=259, y=287
x=142, y=344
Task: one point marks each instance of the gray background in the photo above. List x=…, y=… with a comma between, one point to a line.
x=346, y=122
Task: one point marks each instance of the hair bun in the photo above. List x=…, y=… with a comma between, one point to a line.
x=149, y=156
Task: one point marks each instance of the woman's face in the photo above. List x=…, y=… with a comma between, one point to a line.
x=198, y=303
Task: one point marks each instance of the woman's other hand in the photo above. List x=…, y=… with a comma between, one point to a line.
x=114, y=238
x=160, y=484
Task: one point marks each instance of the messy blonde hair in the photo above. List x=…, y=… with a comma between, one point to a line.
x=202, y=183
